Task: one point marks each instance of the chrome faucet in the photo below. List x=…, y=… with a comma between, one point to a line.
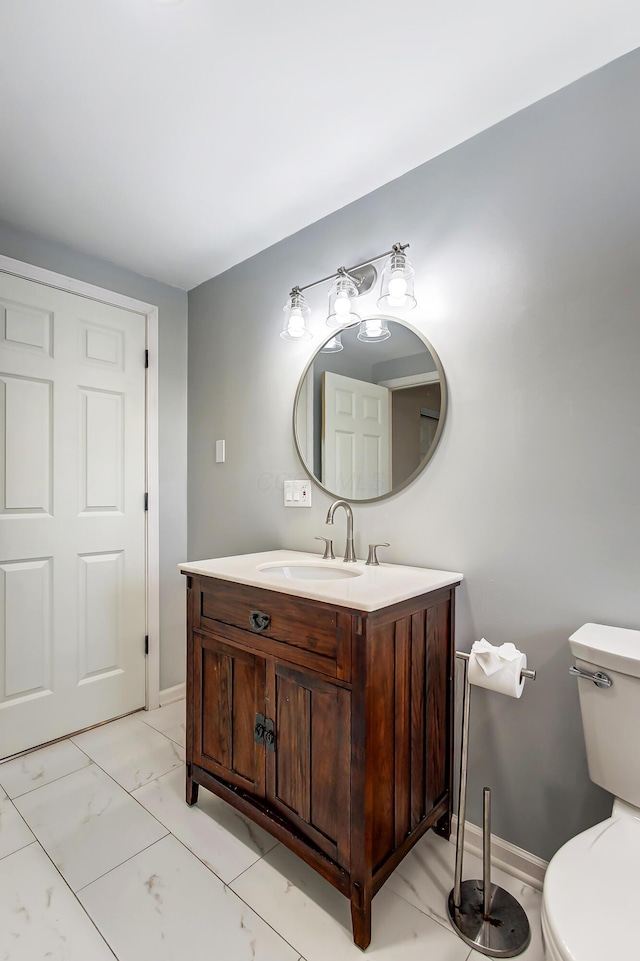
x=349, y=553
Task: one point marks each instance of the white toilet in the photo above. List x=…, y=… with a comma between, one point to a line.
x=591, y=898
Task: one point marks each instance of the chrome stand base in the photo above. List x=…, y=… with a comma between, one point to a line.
x=504, y=934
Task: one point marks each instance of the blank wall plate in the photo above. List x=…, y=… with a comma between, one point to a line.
x=221, y=451
x=297, y=493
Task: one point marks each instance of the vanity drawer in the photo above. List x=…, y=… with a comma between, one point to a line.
x=308, y=629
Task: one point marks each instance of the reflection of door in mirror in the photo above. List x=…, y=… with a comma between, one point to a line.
x=428, y=427
x=356, y=437
x=415, y=416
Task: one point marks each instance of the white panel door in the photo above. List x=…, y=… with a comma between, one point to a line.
x=356, y=437
x=72, y=519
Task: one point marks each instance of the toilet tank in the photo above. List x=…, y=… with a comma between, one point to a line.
x=610, y=716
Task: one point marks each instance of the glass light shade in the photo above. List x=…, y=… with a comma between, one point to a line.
x=296, y=319
x=373, y=331
x=341, y=312
x=396, y=290
x=332, y=346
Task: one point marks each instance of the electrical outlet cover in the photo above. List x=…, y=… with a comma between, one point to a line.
x=297, y=493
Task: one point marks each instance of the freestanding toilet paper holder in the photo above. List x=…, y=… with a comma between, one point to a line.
x=483, y=914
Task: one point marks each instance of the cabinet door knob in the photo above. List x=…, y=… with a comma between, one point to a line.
x=259, y=621
x=269, y=735
x=259, y=729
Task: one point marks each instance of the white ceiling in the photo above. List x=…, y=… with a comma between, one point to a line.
x=178, y=140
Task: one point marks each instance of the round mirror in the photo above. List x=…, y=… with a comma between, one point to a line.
x=369, y=409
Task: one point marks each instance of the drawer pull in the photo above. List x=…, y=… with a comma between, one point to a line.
x=259, y=621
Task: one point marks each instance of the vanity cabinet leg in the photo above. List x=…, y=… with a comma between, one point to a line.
x=191, y=788
x=361, y=917
x=443, y=826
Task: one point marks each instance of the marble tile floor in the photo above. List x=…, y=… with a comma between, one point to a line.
x=100, y=858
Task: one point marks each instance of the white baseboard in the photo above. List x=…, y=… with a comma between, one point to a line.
x=510, y=858
x=171, y=694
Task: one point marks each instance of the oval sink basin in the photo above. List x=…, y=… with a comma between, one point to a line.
x=310, y=572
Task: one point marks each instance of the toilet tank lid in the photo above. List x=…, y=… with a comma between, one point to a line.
x=617, y=648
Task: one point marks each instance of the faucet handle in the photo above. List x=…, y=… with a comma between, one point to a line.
x=372, y=559
x=328, y=548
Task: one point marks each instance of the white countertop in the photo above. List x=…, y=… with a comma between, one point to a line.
x=377, y=587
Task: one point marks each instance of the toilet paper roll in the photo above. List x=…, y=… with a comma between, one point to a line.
x=497, y=668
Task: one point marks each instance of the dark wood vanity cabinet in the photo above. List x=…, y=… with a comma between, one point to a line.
x=329, y=727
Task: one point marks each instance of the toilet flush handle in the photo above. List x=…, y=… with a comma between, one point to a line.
x=599, y=679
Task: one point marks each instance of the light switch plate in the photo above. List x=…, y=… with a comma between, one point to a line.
x=297, y=493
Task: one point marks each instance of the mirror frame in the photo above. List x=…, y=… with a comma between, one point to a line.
x=444, y=404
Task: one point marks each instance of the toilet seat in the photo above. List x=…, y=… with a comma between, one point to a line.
x=590, y=899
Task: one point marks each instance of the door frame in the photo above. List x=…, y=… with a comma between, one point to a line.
x=152, y=527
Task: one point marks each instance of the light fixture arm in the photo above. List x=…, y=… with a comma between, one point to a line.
x=351, y=271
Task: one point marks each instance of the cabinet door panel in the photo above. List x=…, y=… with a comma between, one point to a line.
x=217, y=698
x=292, y=762
x=229, y=688
x=308, y=774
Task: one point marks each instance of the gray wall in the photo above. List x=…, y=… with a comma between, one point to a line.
x=525, y=243
x=172, y=401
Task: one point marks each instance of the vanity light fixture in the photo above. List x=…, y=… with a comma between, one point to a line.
x=348, y=283
x=296, y=317
x=333, y=346
x=397, y=282
x=373, y=331
x=342, y=292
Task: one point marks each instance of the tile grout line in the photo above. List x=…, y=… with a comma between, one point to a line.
x=254, y=910
x=225, y=885
x=248, y=867
x=164, y=734
x=258, y=915
x=170, y=833
x=76, y=899
x=130, y=858
x=443, y=924
x=53, y=780
x=132, y=796
x=22, y=847
x=118, y=785
x=138, y=786
x=37, y=839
